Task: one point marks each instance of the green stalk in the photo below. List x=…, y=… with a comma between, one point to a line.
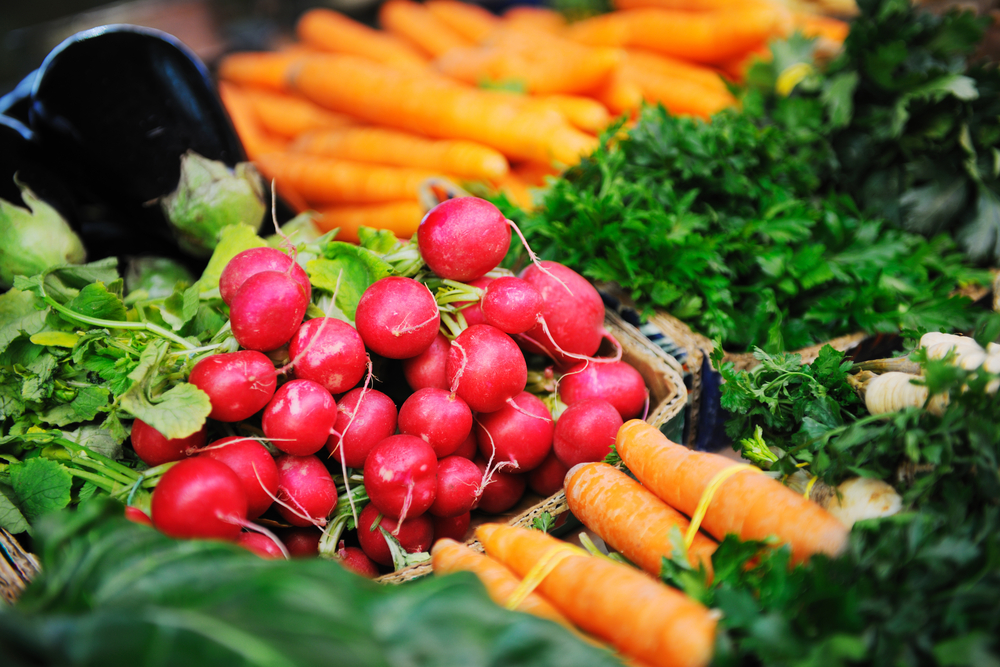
x=89, y=453
x=114, y=324
x=96, y=480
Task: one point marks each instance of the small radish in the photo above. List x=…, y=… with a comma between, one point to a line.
x=397, y=317
x=355, y=560
x=427, y=369
x=486, y=368
x=547, y=478
x=438, y=417
x=518, y=434
x=469, y=447
x=463, y=238
x=455, y=527
x=199, y=498
x=585, y=432
x=330, y=352
x=136, y=515
x=472, y=311
x=260, y=544
x=302, y=542
x=618, y=383
x=373, y=422
x=414, y=534
x=458, y=481
x=401, y=476
x=511, y=305
x=267, y=310
x=154, y=449
x=306, y=492
x=255, y=260
x=300, y=417
x=255, y=467
x=239, y=384
x=502, y=491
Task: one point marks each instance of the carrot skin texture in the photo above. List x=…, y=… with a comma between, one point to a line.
x=629, y=517
x=749, y=504
x=471, y=21
x=416, y=24
x=399, y=217
x=254, y=137
x=263, y=69
x=328, y=30
x=640, y=617
x=289, y=116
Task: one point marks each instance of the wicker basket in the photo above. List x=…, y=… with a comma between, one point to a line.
x=668, y=396
x=17, y=567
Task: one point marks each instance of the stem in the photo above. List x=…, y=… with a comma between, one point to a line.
x=195, y=350
x=96, y=480
x=100, y=468
x=113, y=324
x=89, y=453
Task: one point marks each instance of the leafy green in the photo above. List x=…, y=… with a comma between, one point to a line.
x=41, y=486
x=347, y=270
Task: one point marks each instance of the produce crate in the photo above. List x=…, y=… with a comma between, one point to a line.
x=17, y=567
x=668, y=396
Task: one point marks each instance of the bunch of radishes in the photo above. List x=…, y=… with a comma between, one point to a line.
x=469, y=436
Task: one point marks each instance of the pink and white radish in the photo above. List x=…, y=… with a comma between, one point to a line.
x=438, y=417
x=302, y=542
x=455, y=527
x=199, y=498
x=255, y=467
x=267, y=310
x=463, y=238
x=239, y=384
x=585, y=432
x=518, y=434
x=427, y=369
x=300, y=417
x=401, y=476
x=397, y=317
x=262, y=545
x=154, y=449
x=414, y=534
x=502, y=491
x=548, y=477
x=469, y=448
x=306, y=491
x=486, y=368
x=458, y=482
x=511, y=305
x=618, y=383
x=253, y=261
x=365, y=417
x=330, y=352
x=355, y=560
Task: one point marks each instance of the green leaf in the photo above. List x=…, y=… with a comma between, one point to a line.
x=353, y=267
x=973, y=648
x=100, y=439
x=176, y=413
x=55, y=339
x=981, y=235
x=233, y=239
x=20, y=313
x=96, y=300
x=838, y=98
x=40, y=486
x=380, y=241
x=11, y=518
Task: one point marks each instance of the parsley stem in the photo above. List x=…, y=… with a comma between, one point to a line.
x=115, y=324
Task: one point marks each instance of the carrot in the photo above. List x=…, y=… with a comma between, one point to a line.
x=630, y=518
x=517, y=190
x=680, y=96
x=749, y=504
x=582, y=112
x=255, y=139
x=736, y=69
x=415, y=24
x=649, y=61
x=535, y=18
x=683, y=5
x=601, y=30
x=399, y=217
x=328, y=30
x=289, y=115
x=619, y=94
x=639, y=616
x=816, y=25
x=466, y=159
x=471, y=21
x=324, y=180
x=439, y=108
x=264, y=69
x=535, y=173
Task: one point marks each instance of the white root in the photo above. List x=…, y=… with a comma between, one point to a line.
x=894, y=391
x=968, y=353
x=853, y=500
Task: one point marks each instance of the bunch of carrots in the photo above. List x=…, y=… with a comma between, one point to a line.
x=350, y=120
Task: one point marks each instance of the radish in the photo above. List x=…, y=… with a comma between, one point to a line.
x=355, y=560
x=472, y=310
x=502, y=491
x=463, y=238
x=154, y=449
x=469, y=447
x=199, y=498
x=136, y=515
x=401, y=476
x=397, y=317
x=585, y=432
x=239, y=384
x=253, y=261
x=267, y=310
x=438, y=417
x=415, y=534
x=302, y=542
x=458, y=481
x=306, y=491
x=518, y=434
x=548, y=477
x=260, y=544
x=300, y=417
x=617, y=383
x=255, y=467
x=427, y=369
x=455, y=527
x=486, y=368
x=330, y=352
x=365, y=417
x=511, y=305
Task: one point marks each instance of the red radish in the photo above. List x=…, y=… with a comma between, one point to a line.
x=463, y=238
x=438, y=417
x=454, y=527
x=519, y=434
x=302, y=542
x=355, y=560
x=266, y=310
x=502, y=491
x=548, y=477
x=617, y=383
x=260, y=544
x=374, y=421
x=427, y=369
x=239, y=384
x=486, y=368
x=136, y=515
x=401, y=476
x=300, y=417
x=306, y=492
x=397, y=317
x=330, y=352
x=511, y=305
x=255, y=467
x=199, y=498
x=414, y=534
x=253, y=261
x=458, y=481
x=154, y=449
x=585, y=432
x=469, y=447
x=472, y=310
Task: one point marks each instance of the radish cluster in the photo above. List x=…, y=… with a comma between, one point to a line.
x=467, y=437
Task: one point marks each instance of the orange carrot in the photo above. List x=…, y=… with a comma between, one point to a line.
x=582, y=112
x=256, y=140
x=399, y=217
x=675, y=68
x=466, y=159
x=815, y=25
x=440, y=108
x=535, y=173
x=683, y=5
x=517, y=190
x=264, y=69
x=736, y=69
x=328, y=30
x=638, y=616
x=289, y=115
x=750, y=504
x=619, y=94
x=323, y=180
x=630, y=518
x=680, y=96
x=535, y=18
x=602, y=30
x=413, y=22
x=471, y=21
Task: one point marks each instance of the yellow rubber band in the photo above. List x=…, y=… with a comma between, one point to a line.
x=809, y=487
x=540, y=570
x=791, y=77
x=706, y=498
